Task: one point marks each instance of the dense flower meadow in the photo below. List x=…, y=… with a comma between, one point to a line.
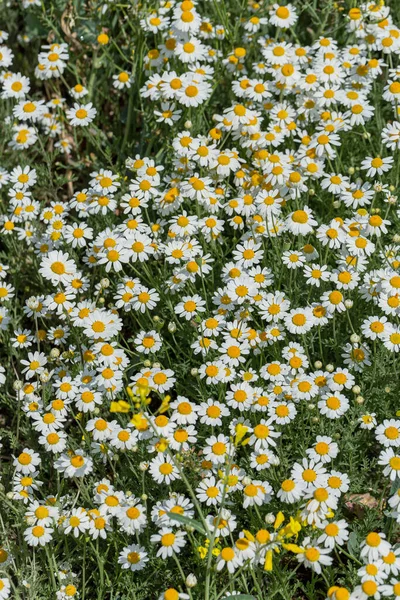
x=199, y=300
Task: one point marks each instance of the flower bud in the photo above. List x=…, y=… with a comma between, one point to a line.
x=191, y=580
x=356, y=389
x=171, y=327
x=32, y=303
x=44, y=377
x=348, y=303
x=355, y=338
x=318, y=364
x=360, y=400
x=269, y=518
x=330, y=368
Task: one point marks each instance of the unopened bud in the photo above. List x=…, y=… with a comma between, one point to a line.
x=191, y=580
x=269, y=518
x=32, y=303
x=44, y=377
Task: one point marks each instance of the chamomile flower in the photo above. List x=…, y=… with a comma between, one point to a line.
x=374, y=546
x=170, y=542
x=81, y=114
x=314, y=556
x=38, y=535
x=324, y=450
x=133, y=557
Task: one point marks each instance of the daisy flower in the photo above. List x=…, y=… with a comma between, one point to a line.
x=38, y=535
x=314, y=557
x=190, y=306
x=77, y=465
x=81, y=114
x=376, y=165
x=170, y=542
x=283, y=17
x=133, y=557
x=374, y=546
x=163, y=470
x=324, y=450
x=301, y=222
